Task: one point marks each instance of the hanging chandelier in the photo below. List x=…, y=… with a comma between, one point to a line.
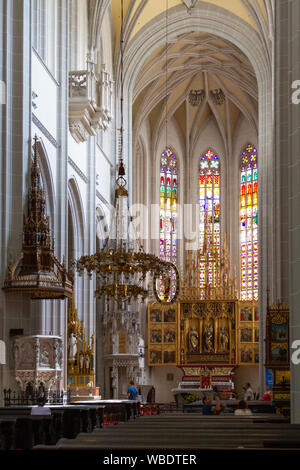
x=122, y=265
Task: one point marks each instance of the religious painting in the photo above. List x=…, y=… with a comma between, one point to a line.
x=277, y=337
x=205, y=381
x=279, y=332
x=248, y=332
x=155, y=335
x=169, y=356
x=246, y=354
x=170, y=315
x=246, y=335
x=282, y=377
x=71, y=380
x=155, y=315
x=162, y=334
x=169, y=334
x=279, y=353
x=246, y=313
x=155, y=356
x=166, y=286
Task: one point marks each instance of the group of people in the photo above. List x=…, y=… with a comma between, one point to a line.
x=210, y=408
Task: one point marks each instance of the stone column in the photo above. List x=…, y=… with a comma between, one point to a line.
x=293, y=162
x=287, y=162
x=61, y=209
x=15, y=118
x=90, y=238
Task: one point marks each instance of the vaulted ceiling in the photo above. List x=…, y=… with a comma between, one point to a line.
x=137, y=13
x=195, y=61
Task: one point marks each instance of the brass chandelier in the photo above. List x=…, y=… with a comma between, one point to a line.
x=121, y=266
x=120, y=269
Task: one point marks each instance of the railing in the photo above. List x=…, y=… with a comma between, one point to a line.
x=13, y=398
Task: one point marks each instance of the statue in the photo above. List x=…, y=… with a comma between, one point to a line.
x=193, y=340
x=72, y=347
x=41, y=395
x=58, y=353
x=44, y=360
x=208, y=337
x=81, y=361
x=87, y=362
x=182, y=356
x=224, y=339
x=166, y=285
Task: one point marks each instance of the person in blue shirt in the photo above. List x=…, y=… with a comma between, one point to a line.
x=132, y=391
x=210, y=409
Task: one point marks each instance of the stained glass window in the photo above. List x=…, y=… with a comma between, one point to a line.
x=168, y=206
x=249, y=224
x=209, y=201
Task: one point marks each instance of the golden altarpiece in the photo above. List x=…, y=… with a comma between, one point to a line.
x=208, y=331
x=81, y=357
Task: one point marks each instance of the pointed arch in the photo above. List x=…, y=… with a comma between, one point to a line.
x=101, y=228
x=77, y=216
x=168, y=205
x=248, y=224
x=47, y=180
x=210, y=207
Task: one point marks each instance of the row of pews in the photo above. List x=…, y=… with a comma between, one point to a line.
x=192, y=431
x=19, y=429
x=257, y=406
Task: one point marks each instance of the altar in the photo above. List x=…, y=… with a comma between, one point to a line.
x=181, y=395
x=208, y=330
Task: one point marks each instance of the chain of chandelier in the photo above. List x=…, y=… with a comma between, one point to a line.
x=122, y=272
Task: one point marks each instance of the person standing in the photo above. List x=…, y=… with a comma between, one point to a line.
x=132, y=391
x=248, y=395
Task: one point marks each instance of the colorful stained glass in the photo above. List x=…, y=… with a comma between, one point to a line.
x=209, y=201
x=248, y=225
x=168, y=206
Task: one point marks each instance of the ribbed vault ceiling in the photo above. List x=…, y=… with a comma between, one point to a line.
x=195, y=61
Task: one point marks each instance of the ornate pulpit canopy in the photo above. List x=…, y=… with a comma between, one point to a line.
x=37, y=272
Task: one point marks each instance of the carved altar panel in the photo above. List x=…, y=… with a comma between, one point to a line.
x=208, y=332
x=189, y=333
x=162, y=334
x=248, y=333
